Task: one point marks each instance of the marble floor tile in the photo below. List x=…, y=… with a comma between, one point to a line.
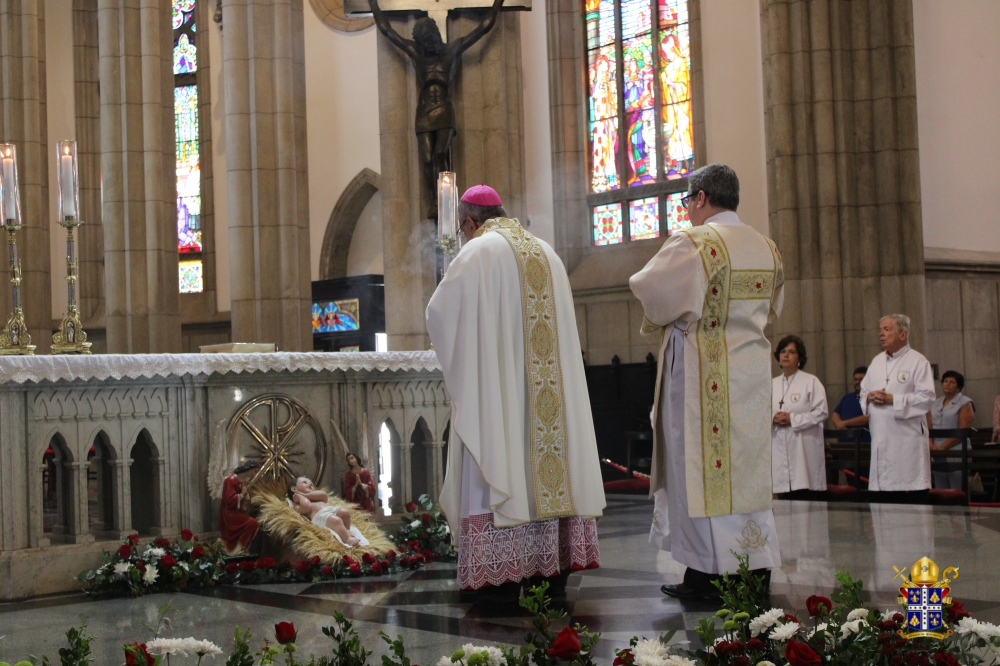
x=620, y=599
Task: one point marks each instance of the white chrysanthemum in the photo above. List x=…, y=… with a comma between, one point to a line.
x=765, y=663
x=494, y=654
x=156, y=552
x=763, y=622
x=985, y=630
x=650, y=653
x=444, y=661
x=122, y=567
x=849, y=628
x=179, y=646
x=150, y=576
x=183, y=565
x=822, y=626
x=677, y=660
x=205, y=648
x=784, y=631
x=858, y=614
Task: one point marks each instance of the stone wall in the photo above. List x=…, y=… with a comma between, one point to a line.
x=152, y=441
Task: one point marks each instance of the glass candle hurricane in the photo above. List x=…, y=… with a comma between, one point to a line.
x=69, y=190
x=9, y=201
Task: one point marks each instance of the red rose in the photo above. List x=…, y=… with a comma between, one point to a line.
x=168, y=561
x=354, y=567
x=266, y=563
x=740, y=661
x=302, y=566
x=897, y=617
x=755, y=645
x=800, y=654
x=391, y=555
x=566, y=646
x=427, y=555
x=955, y=613
x=186, y=535
x=368, y=558
x=197, y=552
x=162, y=542
x=896, y=660
x=125, y=551
x=945, y=659
x=314, y=560
x=326, y=570
x=284, y=633
x=141, y=566
x=410, y=507
x=136, y=655
x=790, y=618
x=813, y=605
x=426, y=519
x=348, y=560
x=386, y=566
x=413, y=544
x=133, y=539
x=248, y=565
x=376, y=569
x=624, y=658
x=723, y=648
x=232, y=568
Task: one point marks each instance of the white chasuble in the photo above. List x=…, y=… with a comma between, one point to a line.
x=503, y=326
x=798, y=455
x=712, y=290
x=901, y=458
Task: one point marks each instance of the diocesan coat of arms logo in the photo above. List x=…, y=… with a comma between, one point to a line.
x=925, y=596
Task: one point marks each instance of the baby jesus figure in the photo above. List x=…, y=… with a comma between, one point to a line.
x=313, y=504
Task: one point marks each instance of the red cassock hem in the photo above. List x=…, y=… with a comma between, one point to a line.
x=488, y=555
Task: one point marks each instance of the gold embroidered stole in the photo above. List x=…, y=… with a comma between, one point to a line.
x=724, y=285
x=546, y=397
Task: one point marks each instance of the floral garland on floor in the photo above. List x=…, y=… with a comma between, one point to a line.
x=186, y=563
x=840, y=631
x=427, y=533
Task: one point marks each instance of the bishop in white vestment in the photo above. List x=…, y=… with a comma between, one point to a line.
x=896, y=395
x=523, y=485
x=710, y=291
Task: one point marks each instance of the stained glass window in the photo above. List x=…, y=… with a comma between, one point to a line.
x=188, y=166
x=677, y=213
x=641, y=132
x=608, y=224
x=644, y=218
x=191, y=276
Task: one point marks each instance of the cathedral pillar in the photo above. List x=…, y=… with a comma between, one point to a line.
x=266, y=161
x=843, y=174
x=23, y=122
x=137, y=163
x=437, y=468
x=488, y=148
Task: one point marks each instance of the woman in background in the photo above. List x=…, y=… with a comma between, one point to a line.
x=950, y=411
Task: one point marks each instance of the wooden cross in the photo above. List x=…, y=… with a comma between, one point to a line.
x=436, y=9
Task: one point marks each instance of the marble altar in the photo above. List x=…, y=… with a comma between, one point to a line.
x=95, y=447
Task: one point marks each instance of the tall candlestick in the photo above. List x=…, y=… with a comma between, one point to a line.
x=68, y=187
x=447, y=217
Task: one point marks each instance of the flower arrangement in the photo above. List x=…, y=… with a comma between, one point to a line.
x=425, y=531
x=186, y=563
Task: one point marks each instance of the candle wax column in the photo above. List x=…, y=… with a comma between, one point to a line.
x=8, y=174
x=447, y=205
x=68, y=186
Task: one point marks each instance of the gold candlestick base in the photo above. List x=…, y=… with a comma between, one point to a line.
x=15, y=341
x=70, y=338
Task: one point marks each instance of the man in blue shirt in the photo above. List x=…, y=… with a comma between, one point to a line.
x=848, y=412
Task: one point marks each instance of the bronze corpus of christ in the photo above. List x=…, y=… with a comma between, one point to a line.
x=436, y=64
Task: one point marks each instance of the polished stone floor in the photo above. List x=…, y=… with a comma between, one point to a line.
x=621, y=599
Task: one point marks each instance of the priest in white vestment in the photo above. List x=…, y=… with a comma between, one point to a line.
x=710, y=291
x=523, y=486
x=798, y=405
x=896, y=395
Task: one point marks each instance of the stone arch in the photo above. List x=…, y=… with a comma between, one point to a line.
x=421, y=461
x=57, y=492
x=144, y=478
x=101, y=484
x=343, y=220
x=396, y=486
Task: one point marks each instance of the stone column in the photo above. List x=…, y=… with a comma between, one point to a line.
x=74, y=503
x=121, y=502
x=23, y=122
x=90, y=237
x=843, y=174
x=405, y=488
x=437, y=468
x=264, y=67
x=138, y=179
x=162, y=515
x=489, y=148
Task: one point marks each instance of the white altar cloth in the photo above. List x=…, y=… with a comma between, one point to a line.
x=21, y=369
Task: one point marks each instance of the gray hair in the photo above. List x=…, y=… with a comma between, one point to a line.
x=719, y=183
x=479, y=213
x=902, y=321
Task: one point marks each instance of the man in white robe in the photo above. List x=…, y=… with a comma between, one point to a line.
x=711, y=290
x=523, y=485
x=896, y=395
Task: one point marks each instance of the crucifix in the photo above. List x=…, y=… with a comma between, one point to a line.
x=436, y=63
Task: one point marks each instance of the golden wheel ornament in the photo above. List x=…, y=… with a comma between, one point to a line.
x=279, y=432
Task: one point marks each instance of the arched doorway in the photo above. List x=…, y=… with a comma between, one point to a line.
x=57, y=496
x=421, y=464
x=388, y=467
x=100, y=485
x=145, y=484
x=343, y=221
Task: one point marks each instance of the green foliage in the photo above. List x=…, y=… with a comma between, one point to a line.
x=540, y=642
x=78, y=652
x=397, y=649
x=425, y=530
x=241, y=654
x=348, y=650
x=744, y=594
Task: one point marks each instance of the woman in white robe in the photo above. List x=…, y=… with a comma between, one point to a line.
x=799, y=409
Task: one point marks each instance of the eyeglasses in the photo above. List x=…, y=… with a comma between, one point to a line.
x=687, y=199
